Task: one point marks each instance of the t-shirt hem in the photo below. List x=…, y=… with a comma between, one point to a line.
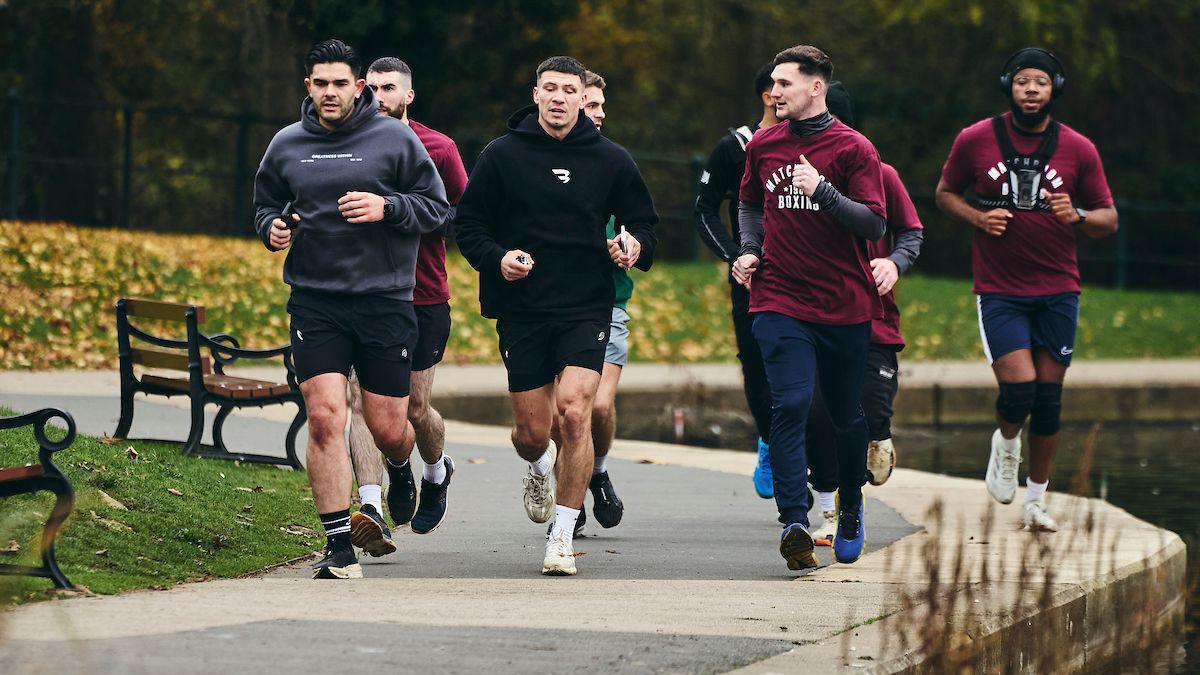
x=851, y=320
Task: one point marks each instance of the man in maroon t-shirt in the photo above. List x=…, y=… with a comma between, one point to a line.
x=891, y=256
x=391, y=81
x=812, y=192
x=1036, y=181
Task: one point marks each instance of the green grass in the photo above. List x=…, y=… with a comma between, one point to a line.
x=213, y=530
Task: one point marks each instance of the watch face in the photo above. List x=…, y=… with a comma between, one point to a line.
x=1082, y=214
x=388, y=209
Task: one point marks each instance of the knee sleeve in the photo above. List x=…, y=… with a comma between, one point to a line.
x=1047, y=410
x=1016, y=401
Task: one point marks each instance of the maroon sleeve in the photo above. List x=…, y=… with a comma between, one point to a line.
x=751, y=190
x=1092, y=186
x=958, y=172
x=902, y=213
x=864, y=181
x=454, y=174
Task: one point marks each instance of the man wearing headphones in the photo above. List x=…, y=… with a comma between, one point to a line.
x=1036, y=182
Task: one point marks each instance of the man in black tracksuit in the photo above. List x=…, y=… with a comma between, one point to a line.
x=719, y=182
x=532, y=221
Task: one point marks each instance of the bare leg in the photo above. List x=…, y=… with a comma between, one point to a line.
x=427, y=424
x=328, y=466
x=604, y=410
x=1043, y=448
x=364, y=455
x=1013, y=368
x=533, y=414
x=387, y=419
x=574, y=397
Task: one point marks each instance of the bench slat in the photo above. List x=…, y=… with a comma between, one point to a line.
x=158, y=358
x=19, y=472
x=224, y=385
x=165, y=311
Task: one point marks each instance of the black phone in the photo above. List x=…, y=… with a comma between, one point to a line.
x=286, y=216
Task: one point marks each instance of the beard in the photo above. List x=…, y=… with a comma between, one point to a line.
x=1032, y=119
x=398, y=111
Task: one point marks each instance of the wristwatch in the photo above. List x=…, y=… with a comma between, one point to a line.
x=1082, y=214
x=389, y=209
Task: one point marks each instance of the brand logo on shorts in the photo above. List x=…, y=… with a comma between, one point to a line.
x=600, y=337
x=404, y=353
x=300, y=336
x=1066, y=351
x=563, y=174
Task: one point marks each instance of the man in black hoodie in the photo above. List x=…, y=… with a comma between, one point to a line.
x=532, y=221
x=361, y=189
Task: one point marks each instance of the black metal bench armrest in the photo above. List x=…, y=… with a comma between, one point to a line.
x=225, y=349
x=39, y=420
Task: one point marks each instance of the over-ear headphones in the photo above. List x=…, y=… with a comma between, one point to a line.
x=1057, y=79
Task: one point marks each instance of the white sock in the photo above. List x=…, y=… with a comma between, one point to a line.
x=373, y=495
x=827, y=501
x=542, y=466
x=1011, y=445
x=564, y=520
x=598, y=467
x=1035, y=491
x=435, y=473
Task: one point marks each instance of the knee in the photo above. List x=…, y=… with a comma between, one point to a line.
x=602, y=409
x=418, y=413
x=325, y=424
x=528, y=439
x=793, y=405
x=576, y=421
x=1016, y=401
x=1046, y=416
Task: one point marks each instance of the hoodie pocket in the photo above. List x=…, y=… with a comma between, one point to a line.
x=347, y=261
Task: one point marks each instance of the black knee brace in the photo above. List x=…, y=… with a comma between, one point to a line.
x=1047, y=409
x=1015, y=401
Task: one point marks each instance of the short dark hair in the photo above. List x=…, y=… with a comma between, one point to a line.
x=763, y=81
x=332, y=51
x=812, y=61
x=390, y=64
x=562, y=64
x=591, y=79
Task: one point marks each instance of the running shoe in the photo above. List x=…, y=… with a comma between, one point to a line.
x=764, y=480
x=1002, y=467
x=560, y=556
x=881, y=459
x=338, y=565
x=607, y=506
x=850, y=539
x=1036, y=519
x=540, y=491
x=433, y=501
x=580, y=522
x=369, y=532
x=823, y=535
x=796, y=547
x=402, y=492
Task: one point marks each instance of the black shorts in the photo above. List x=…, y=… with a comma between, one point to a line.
x=433, y=332
x=535, y=353
x=332, y=332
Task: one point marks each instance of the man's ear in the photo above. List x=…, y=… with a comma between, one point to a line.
x=359, y=85
x=408, y=98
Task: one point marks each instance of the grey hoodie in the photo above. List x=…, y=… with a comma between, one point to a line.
x=312, y=167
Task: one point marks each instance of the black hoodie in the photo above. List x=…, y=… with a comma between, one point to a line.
x=312, y=167
x=552, y=199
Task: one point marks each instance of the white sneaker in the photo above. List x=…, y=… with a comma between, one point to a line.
x=1036, y=519
x=1002, y=470
x=824, y=533
x=881, y=459
x=560, y=555
x=540, y=492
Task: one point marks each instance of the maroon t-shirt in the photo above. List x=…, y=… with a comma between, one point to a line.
x=1036, y=253
x=902, y=215
x=813, y=268
x=433, y=288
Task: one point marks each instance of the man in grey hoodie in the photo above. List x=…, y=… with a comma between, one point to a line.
x=360, y=189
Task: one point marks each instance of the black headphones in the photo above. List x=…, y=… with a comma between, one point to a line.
x=1057, y=80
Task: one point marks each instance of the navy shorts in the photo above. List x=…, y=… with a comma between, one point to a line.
x=1008, y=323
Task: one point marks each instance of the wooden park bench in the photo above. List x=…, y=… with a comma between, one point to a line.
x=36, y=478
x=203, y=358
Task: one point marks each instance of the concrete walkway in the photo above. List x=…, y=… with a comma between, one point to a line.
x=690, y=582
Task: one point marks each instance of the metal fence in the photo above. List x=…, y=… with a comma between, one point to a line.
x=162, y=168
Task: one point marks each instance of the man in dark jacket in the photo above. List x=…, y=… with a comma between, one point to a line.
x=362, y=190
x=532, y=221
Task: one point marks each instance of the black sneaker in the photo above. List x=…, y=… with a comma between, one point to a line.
x=580, y=522
x=402, y=493
x=341, y=564
x=433, y=501
x=607, y=508
x=369, y=532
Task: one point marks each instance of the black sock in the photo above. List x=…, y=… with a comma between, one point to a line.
x=337, y=529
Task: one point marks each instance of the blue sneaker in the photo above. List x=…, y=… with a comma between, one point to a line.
x=796, y=547
x=850, y=540
x=764, y=480
x=432, y=510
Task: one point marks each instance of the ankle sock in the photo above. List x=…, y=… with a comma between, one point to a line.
x=337, y=529
x=435, y=473
x=827, y=500
x=1011, y=445
x=598, y=467
x=396, y=465
x=564, y=520
x=542, y=466
x=1035, y=491
x=373, y=495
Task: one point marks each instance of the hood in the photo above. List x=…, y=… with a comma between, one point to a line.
x=365, y=108
x=524, y=123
